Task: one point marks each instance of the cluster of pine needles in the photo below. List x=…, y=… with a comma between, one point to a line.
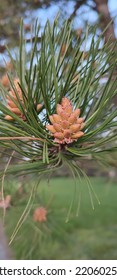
x=59, y=65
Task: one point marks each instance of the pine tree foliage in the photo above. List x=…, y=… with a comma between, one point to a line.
x=58, y=66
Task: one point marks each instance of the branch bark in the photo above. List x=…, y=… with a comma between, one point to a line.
x=76, y=7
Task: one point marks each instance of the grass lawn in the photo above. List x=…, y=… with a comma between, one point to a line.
x=88, y=234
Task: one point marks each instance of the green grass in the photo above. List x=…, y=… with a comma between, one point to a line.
x=90, y=235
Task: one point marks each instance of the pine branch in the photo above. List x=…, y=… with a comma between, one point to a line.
x=76, y=7
x=58, y=109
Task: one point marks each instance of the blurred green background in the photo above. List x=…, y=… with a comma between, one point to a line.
x=92, y=233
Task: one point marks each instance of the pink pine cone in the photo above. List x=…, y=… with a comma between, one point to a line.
x=66, y=125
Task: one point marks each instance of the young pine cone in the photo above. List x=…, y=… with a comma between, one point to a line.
x=66, y=125
x=40, y=214
x=11, y=104
x=5, y=81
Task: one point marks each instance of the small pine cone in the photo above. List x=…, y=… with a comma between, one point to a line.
x=40, y=214
x=66, y=125
x=11, y=104
x=6, y=202
x=5, y=81
x=12, y=98
x=38, y=108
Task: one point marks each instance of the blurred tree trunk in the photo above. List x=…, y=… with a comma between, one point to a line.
x=109, y=34
x=105, y=19
x=101, y=6
x=5, y=253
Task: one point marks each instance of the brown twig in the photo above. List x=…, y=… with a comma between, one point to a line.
x=76, y=7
